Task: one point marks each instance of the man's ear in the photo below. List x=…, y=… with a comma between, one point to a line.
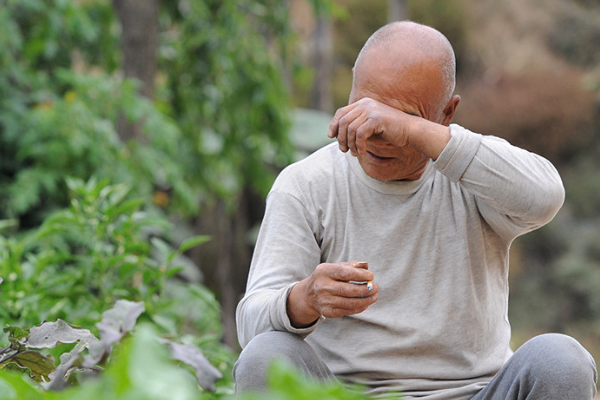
x=450, y=109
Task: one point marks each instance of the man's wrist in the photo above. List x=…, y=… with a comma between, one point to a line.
x=429, y=137
x=301, y=315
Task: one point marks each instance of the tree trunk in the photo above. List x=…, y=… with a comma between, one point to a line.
x=226, y=270
x=225, y=260
x=139, y=42
x=397, y=10
x=321, y=97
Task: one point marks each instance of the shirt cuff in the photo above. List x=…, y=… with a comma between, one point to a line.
x=458, y=153
x=280, y=320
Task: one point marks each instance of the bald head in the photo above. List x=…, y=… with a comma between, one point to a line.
x=404, y=44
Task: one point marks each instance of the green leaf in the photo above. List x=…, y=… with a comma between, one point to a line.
x=115, y=324
x=163, y=248
x=39, y=365
x=18, y=387
x=7, y=390
x=119, y=320
x=16, y=336
x=191, y=355
x=16, y=332
x=150, y=372
x=193, y=242
x=68, y=362
x=126, y=208
x=8, y=223
x=50, y=334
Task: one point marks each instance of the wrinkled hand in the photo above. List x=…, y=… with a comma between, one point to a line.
x=328, y=291
x=355, y=123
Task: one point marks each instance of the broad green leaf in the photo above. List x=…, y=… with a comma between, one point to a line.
x=39, y=365
x=50, y=334
x=115, y=324
x=191, y=355
x=119, y=320
x=147, y=367
x=68, y=362
x=7, y=391
x=18, y=387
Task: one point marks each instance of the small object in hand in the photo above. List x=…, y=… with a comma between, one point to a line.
x=363, y=264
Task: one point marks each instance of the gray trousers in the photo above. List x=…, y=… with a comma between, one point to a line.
x=547, y=367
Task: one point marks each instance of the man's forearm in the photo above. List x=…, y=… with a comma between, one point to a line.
x=429, y=137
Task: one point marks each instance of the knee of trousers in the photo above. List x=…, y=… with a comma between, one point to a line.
x=267, y=347
x=559, y=359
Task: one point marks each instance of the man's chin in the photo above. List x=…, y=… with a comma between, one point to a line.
x=377, y=173
x=386, y=172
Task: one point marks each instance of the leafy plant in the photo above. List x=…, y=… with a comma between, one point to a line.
x=23, y=351
x=226, y=91
x=90, y=355
x=58, y=109
x=89, y=255
x=286, y=383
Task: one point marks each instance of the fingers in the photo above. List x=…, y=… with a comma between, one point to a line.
x=335, y=294
x=353, y=125
x=343, y=307
x=353, y=271
x=346, y=299
x=343, y=127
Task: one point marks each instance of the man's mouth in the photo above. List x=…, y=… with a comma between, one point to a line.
x=378, y=158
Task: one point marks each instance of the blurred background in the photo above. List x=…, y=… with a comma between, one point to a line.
x=187, y=109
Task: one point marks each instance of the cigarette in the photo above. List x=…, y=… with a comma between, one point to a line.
x=365, y=264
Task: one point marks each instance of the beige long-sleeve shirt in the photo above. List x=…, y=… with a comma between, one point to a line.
x=438, y=248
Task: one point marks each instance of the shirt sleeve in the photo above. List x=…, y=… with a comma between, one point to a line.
x=286, y=252
x=516, y=190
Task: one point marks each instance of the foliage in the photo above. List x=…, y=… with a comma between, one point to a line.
x=24, y=349
x=57, y=117
x=81, y=258
x=90, y=353
x=575, y=36
x=221, y=109
x=99, y=252
x=286, y=383
x=225, y=90
x=141, y=369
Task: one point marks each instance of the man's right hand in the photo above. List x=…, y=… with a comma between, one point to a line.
x=328, y=291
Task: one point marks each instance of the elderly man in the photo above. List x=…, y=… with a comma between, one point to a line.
x=427, y=211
